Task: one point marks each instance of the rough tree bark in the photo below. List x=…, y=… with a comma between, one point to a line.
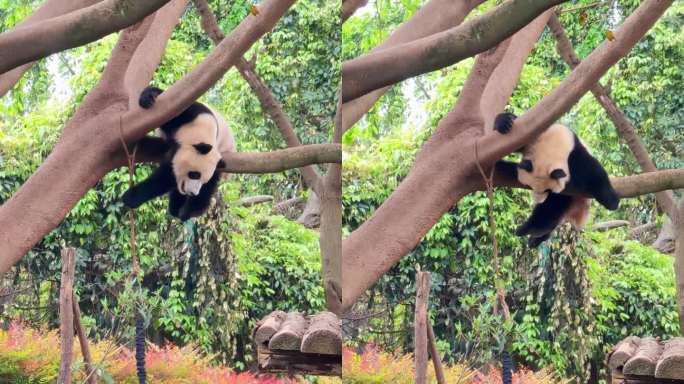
x=37, y=40
x=91, y=137
x=435, y=16
x=624, y=127
x=378, y=69
x=402, y=220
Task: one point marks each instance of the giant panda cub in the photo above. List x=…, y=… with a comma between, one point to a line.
x=557, y=160
x=192, y=142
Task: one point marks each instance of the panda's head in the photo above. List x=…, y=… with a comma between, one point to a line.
x=543, y=180
x=544, y=167
x=196, y=155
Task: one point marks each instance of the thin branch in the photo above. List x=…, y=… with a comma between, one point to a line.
x=283, y=159
x=379, y=69
x=27, y=44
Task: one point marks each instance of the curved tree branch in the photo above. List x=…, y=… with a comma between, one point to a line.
x=24, y=45
x=388, y=66
x=49, y=9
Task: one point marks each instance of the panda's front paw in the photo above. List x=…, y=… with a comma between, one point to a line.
x=147, y=100
x=129, y=199
x=149, y=96
x=504, y=122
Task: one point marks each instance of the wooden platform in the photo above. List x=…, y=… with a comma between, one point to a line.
x=298, y=344
x=637, y=360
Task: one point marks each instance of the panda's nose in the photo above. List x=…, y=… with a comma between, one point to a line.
x=194, y=175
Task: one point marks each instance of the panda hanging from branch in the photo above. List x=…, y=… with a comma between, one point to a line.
x=190, y=171
x=554, y=161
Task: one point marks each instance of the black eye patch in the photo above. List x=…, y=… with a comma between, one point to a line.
x=203, y=148
x=558, y=174
x=526, y=165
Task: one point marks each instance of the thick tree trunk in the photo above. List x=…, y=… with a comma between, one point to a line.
x=402, y=220
x=435, y=16
x=624, y=127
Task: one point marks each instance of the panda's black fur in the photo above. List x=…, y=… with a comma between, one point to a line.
x=163, y=179
x=587, y=177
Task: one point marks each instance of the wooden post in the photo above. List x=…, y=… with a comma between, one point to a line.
x=434, y=354
x=85, y=349
x=421, y=333
x=66, y=315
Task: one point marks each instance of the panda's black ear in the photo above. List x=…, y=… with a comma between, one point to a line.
x=558, y=174
x=203, y=148
x=526, y=165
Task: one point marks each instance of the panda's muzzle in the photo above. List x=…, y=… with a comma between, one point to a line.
x=191, y=187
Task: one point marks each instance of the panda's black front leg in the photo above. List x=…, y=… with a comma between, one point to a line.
x=545, y=217
x=159, y=182
x=176, y=202
x=196, y=205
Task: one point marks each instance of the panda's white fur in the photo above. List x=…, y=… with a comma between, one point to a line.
x=549, y=152
x=206, y=128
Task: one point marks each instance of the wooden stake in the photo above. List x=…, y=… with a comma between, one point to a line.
x=434, y=354
x=66, y=315
x=85, y=349
x=421, y=333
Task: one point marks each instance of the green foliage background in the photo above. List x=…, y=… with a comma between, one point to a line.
x=578, y=294
x=205, y=282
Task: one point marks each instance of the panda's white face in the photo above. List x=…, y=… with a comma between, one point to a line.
x=197, y=155
x=545, y=162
